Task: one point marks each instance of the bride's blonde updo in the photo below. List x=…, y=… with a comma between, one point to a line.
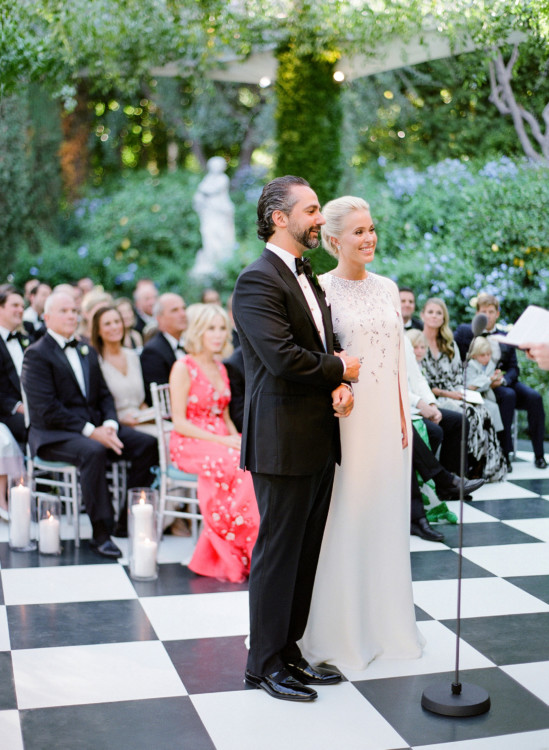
x=335, y=213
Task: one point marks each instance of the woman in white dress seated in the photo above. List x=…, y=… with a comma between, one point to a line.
x=121, y=369
x=362, y=606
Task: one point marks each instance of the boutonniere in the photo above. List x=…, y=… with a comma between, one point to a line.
x=25, y=343
x=84, y=350
x=316, y=282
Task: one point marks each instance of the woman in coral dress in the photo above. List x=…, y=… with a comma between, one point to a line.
x=205, y=442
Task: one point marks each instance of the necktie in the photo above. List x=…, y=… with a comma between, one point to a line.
x=13, y=335
x=303, y=265
x=72, y=342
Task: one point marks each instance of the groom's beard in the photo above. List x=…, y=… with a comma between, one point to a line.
x=308, y=238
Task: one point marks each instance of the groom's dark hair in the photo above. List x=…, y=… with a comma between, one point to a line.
x=276, y=196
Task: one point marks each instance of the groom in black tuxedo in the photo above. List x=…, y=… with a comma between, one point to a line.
x=294, y=392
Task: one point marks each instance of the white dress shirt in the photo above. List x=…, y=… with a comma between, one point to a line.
x=14, y=348
x=176, y=345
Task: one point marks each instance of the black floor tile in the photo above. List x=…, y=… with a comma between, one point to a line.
x=507, y=639
x=514, y=709
x=442, y=565
x=159, y=724
x=78, y=624
x=536, y=585
x=540, y=486
x=421, y=614
x=524, y=507
x=209, y=665
x=175, y=579
x=70, y=555
x=486, y=534
x=7, y=687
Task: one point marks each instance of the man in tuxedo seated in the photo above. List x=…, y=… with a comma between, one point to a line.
x=12, y=346
x=72, y=417
x=408, y=307
x=165, y=347
x=144, y=300
x=511, y=394
x=33, y=317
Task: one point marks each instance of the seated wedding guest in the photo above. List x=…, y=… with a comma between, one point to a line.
x=510, y=394
x=11, y=465
x=204, y=441
x=12, y=346
x=144, y=300
x=72, y=418
x=407, y=308
x=210, y=297
x=443, y=425
x=33, y=316
x=30, y=284
x=132, y=339
x=121, y=369
x=91, y=302
x=538, y=352
x=419, y=343
x=85, y=284
x=165, y=346
x=482, y=376
x=444, y=372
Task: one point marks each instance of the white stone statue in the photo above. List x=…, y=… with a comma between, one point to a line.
x=216, y=211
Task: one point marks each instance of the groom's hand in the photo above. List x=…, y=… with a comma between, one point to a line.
x=342, y=401
x=352, y=366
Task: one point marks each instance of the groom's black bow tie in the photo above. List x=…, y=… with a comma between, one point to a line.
x=303, y=265
x=72, y=342
x=14, y=335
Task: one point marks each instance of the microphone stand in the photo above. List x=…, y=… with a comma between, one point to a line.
x=460, y=699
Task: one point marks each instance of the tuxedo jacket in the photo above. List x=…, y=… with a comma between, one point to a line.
x=10, y=385
x=508, y=362
x=57, y=407
x=237, y=379
x=157, y=359
x=289, y=427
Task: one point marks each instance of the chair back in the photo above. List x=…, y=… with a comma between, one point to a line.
x=160, y=396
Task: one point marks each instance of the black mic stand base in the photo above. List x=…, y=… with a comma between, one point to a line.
x=462, y=699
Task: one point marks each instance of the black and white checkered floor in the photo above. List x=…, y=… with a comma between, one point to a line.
x=90, y=659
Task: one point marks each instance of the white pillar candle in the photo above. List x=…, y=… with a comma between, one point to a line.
x=49, y=539
x=144, y=558
x=143, y=526
x=20, y=516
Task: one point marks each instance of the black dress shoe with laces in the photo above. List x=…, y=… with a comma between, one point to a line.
x=540, y=462
x=282, y=685
x=422, y=528
x=106, y=549
x=452, y=493
x=308, y=675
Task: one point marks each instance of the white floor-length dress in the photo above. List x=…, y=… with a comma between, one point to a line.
x=362, y=606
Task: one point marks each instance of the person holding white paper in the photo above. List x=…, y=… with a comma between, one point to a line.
x=539, y=353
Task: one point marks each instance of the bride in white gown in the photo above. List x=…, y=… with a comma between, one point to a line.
x=362, y=606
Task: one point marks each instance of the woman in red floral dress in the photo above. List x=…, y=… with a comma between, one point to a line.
x=205, y=442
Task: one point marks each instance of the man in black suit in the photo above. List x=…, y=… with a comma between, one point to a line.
x=144, y=299
x=407, y=308
x=510, y=394
x=165, y=347
x=237, y=380
x=12, y=346
x=72, y=417
x=33, y=317
x=294, y=391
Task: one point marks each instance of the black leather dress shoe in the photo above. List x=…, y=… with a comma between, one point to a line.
x=308, y=675
x=452, y=493
x=540, y=462
x=106, y=549
x=423, y=529
x=281, y=685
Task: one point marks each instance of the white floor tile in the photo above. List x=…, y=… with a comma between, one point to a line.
x=67, y=529
x=175, y=549
x=501, y=491
x=10, y=730
x=533, y=676
x=480, y=597
x=4, y=634
x=511, y=559
x=71, y=583
x=198, y=615
x=470, y=513
x=94, y=674
x=340, y=718
x=536, y=527
x=439, y=655
x=417, y=544
x=522, y=741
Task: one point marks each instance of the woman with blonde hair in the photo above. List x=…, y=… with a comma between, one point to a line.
x=444, y=372
x=204, y=441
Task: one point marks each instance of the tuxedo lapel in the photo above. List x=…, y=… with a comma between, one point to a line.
x=85, y=362
x=61, y=358
x=288, y=277
x=10, y=367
